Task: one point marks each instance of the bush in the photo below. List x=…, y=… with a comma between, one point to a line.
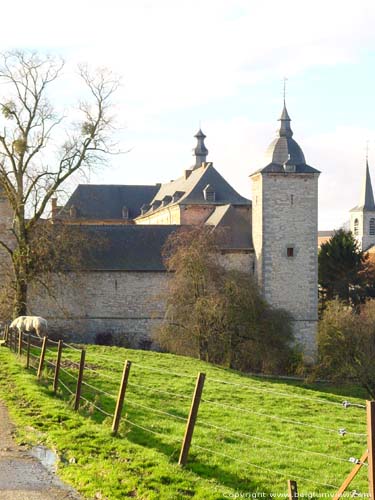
x=218, y=315
x=346, y=344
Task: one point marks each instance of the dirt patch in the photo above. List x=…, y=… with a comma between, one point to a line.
x=23, y=477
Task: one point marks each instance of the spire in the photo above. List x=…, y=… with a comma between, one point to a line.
x=200, y=151
x=367, y=195
x=285, y=130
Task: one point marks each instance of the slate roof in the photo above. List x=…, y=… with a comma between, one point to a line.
x=236, y=225
x=191, y=189
x=106, y=201
x=284, y=151
x=366, y=200
x=125, y=248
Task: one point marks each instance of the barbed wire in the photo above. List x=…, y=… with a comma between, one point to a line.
x=152, y=389
x=71, y=346
x=155, y=410
x=66, y=387
x=97, y=407
x=53, y=341
x=150, y=430
x=278, y=393
x=68, y=373
x=269, y=441
x=99, y=390
x=266, y=469
x=164, y=371
x=282, y=419
x=101, y=374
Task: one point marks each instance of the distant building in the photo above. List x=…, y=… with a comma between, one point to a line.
x=274, y=236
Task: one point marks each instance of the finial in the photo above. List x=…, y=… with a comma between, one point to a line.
x=285, y=79
x=367, y=143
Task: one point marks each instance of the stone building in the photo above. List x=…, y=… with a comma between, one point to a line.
x=274, y=236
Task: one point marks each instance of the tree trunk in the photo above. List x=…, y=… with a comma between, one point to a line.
x=20, y=299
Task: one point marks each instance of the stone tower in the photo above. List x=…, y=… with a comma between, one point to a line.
x=362, y=217
x=285, y=220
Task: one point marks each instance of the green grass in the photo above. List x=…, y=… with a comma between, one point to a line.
x=267, y=447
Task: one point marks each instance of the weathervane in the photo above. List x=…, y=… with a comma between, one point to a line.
x=285, y=79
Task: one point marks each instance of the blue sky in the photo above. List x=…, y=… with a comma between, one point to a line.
x=221, y=63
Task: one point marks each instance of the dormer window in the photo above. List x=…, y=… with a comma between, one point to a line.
x=125, y=213
x=166, y=200
x=73, y=212
x=176, y=196
x=145, y=208
x=155, y=204
x=209, y=193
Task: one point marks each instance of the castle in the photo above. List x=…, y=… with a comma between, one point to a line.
x=273, y=237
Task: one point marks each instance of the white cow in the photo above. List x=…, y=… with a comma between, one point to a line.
x=35, y=324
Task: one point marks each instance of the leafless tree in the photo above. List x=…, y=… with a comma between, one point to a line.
x=39, y=151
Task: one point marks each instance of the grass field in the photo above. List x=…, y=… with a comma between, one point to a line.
x=252, y=434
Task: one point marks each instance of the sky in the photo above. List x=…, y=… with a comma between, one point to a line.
x=220, y=64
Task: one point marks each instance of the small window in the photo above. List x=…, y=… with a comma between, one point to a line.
x=372, y=227
x=356, y=227
x=292, y=199
x=290, y=252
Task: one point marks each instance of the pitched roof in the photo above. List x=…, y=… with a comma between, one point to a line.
x=191, y=189
x=236, y=225
x=125, y=248
x=106, y=201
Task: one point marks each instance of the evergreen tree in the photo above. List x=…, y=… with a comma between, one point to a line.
x=344, y=270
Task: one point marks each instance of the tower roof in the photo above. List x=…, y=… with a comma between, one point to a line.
x=284, y=154
x=200, y=151
x=366, y=200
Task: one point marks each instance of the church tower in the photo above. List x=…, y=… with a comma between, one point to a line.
x=362, y=217
x=285, y=226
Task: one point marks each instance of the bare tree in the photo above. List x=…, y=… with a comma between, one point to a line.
x=38, y=152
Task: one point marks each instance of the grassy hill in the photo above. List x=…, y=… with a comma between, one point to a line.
x=252, y=434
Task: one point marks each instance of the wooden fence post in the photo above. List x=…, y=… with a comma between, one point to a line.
x=57, y=367
x=28, y=352
x=121, y=396
x=292, y=490
x=20, y=339
x=370, y=408
x=41, y=359
x=191, y=419
x=79, y=381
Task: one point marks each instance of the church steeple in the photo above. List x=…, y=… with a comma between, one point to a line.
x=200, y=151
x=285, y=130
x=367, y=195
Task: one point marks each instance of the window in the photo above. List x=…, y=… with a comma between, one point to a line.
x=290, y=252
x=209, y=193
x=356, y=227
x=372, y=227
x=292, y=199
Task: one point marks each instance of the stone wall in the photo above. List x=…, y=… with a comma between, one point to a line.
x=125, y=304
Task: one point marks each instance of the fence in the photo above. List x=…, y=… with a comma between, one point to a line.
x=65, y=366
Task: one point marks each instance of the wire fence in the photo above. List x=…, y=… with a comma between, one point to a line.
x=90, y=387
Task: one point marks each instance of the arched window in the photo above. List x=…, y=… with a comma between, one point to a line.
x=356, y=227
x=372, y=227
